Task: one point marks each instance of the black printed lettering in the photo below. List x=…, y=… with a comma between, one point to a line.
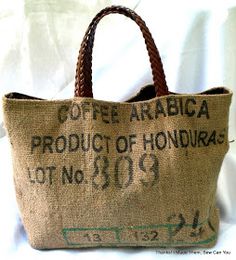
x=85, y=109
x=193, y=138
x=75, y=112
x=212, y=138
x=62, y=113
x=41, y=175
x=187, y=107
x=132, y=142
x=134, y=114
x=184, y=138
x=202, y=138
x=67, y=176
x=35, y=142
x=197, y=231
x=195, y=219
x=85, y=142
x=160, y=140
x=107, y=140
x=96, y=110
x=180, y=225
x=220, y=139
x=47, y=144
x=104, y=114
x=159, y=109
x=71, y=176
x=97, y=147
x=120, y=172
x=60, y=144
x=114, y=115
x=203, y=110
x=121, y=144
x=78, y=176
x=51, y=170
x=31, y=178
x=154, y=169
x=145, y=111
x=73, y=143
x=102, y=180
x=172, y=139
x=172, y=106
x=146, y=235
x=93, y=237
x=148, y=140
x=76, y=143
x=181, y=111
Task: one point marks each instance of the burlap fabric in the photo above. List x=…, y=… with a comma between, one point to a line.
x=139, y=173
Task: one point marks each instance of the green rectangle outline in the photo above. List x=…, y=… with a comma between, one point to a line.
x=117, y=230
x=114, y=229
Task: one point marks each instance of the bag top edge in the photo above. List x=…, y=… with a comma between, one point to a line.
x=216, y=91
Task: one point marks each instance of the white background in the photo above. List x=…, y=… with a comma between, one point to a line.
x=39, y=45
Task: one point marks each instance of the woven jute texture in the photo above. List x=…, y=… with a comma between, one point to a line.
x=92, y=173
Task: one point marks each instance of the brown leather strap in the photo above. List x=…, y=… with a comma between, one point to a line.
x=83, y=78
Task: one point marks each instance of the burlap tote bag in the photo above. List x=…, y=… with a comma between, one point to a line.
x=92, y=173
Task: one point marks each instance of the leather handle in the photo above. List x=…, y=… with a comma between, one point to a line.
x=83, y=78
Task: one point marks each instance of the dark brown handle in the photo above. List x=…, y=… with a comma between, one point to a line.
x=83, y=78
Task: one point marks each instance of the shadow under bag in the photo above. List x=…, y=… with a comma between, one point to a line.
x=92, y=173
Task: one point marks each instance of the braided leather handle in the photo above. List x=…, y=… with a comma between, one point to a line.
x=83, y=78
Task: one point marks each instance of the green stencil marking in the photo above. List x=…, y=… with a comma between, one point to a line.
x=119, y=242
